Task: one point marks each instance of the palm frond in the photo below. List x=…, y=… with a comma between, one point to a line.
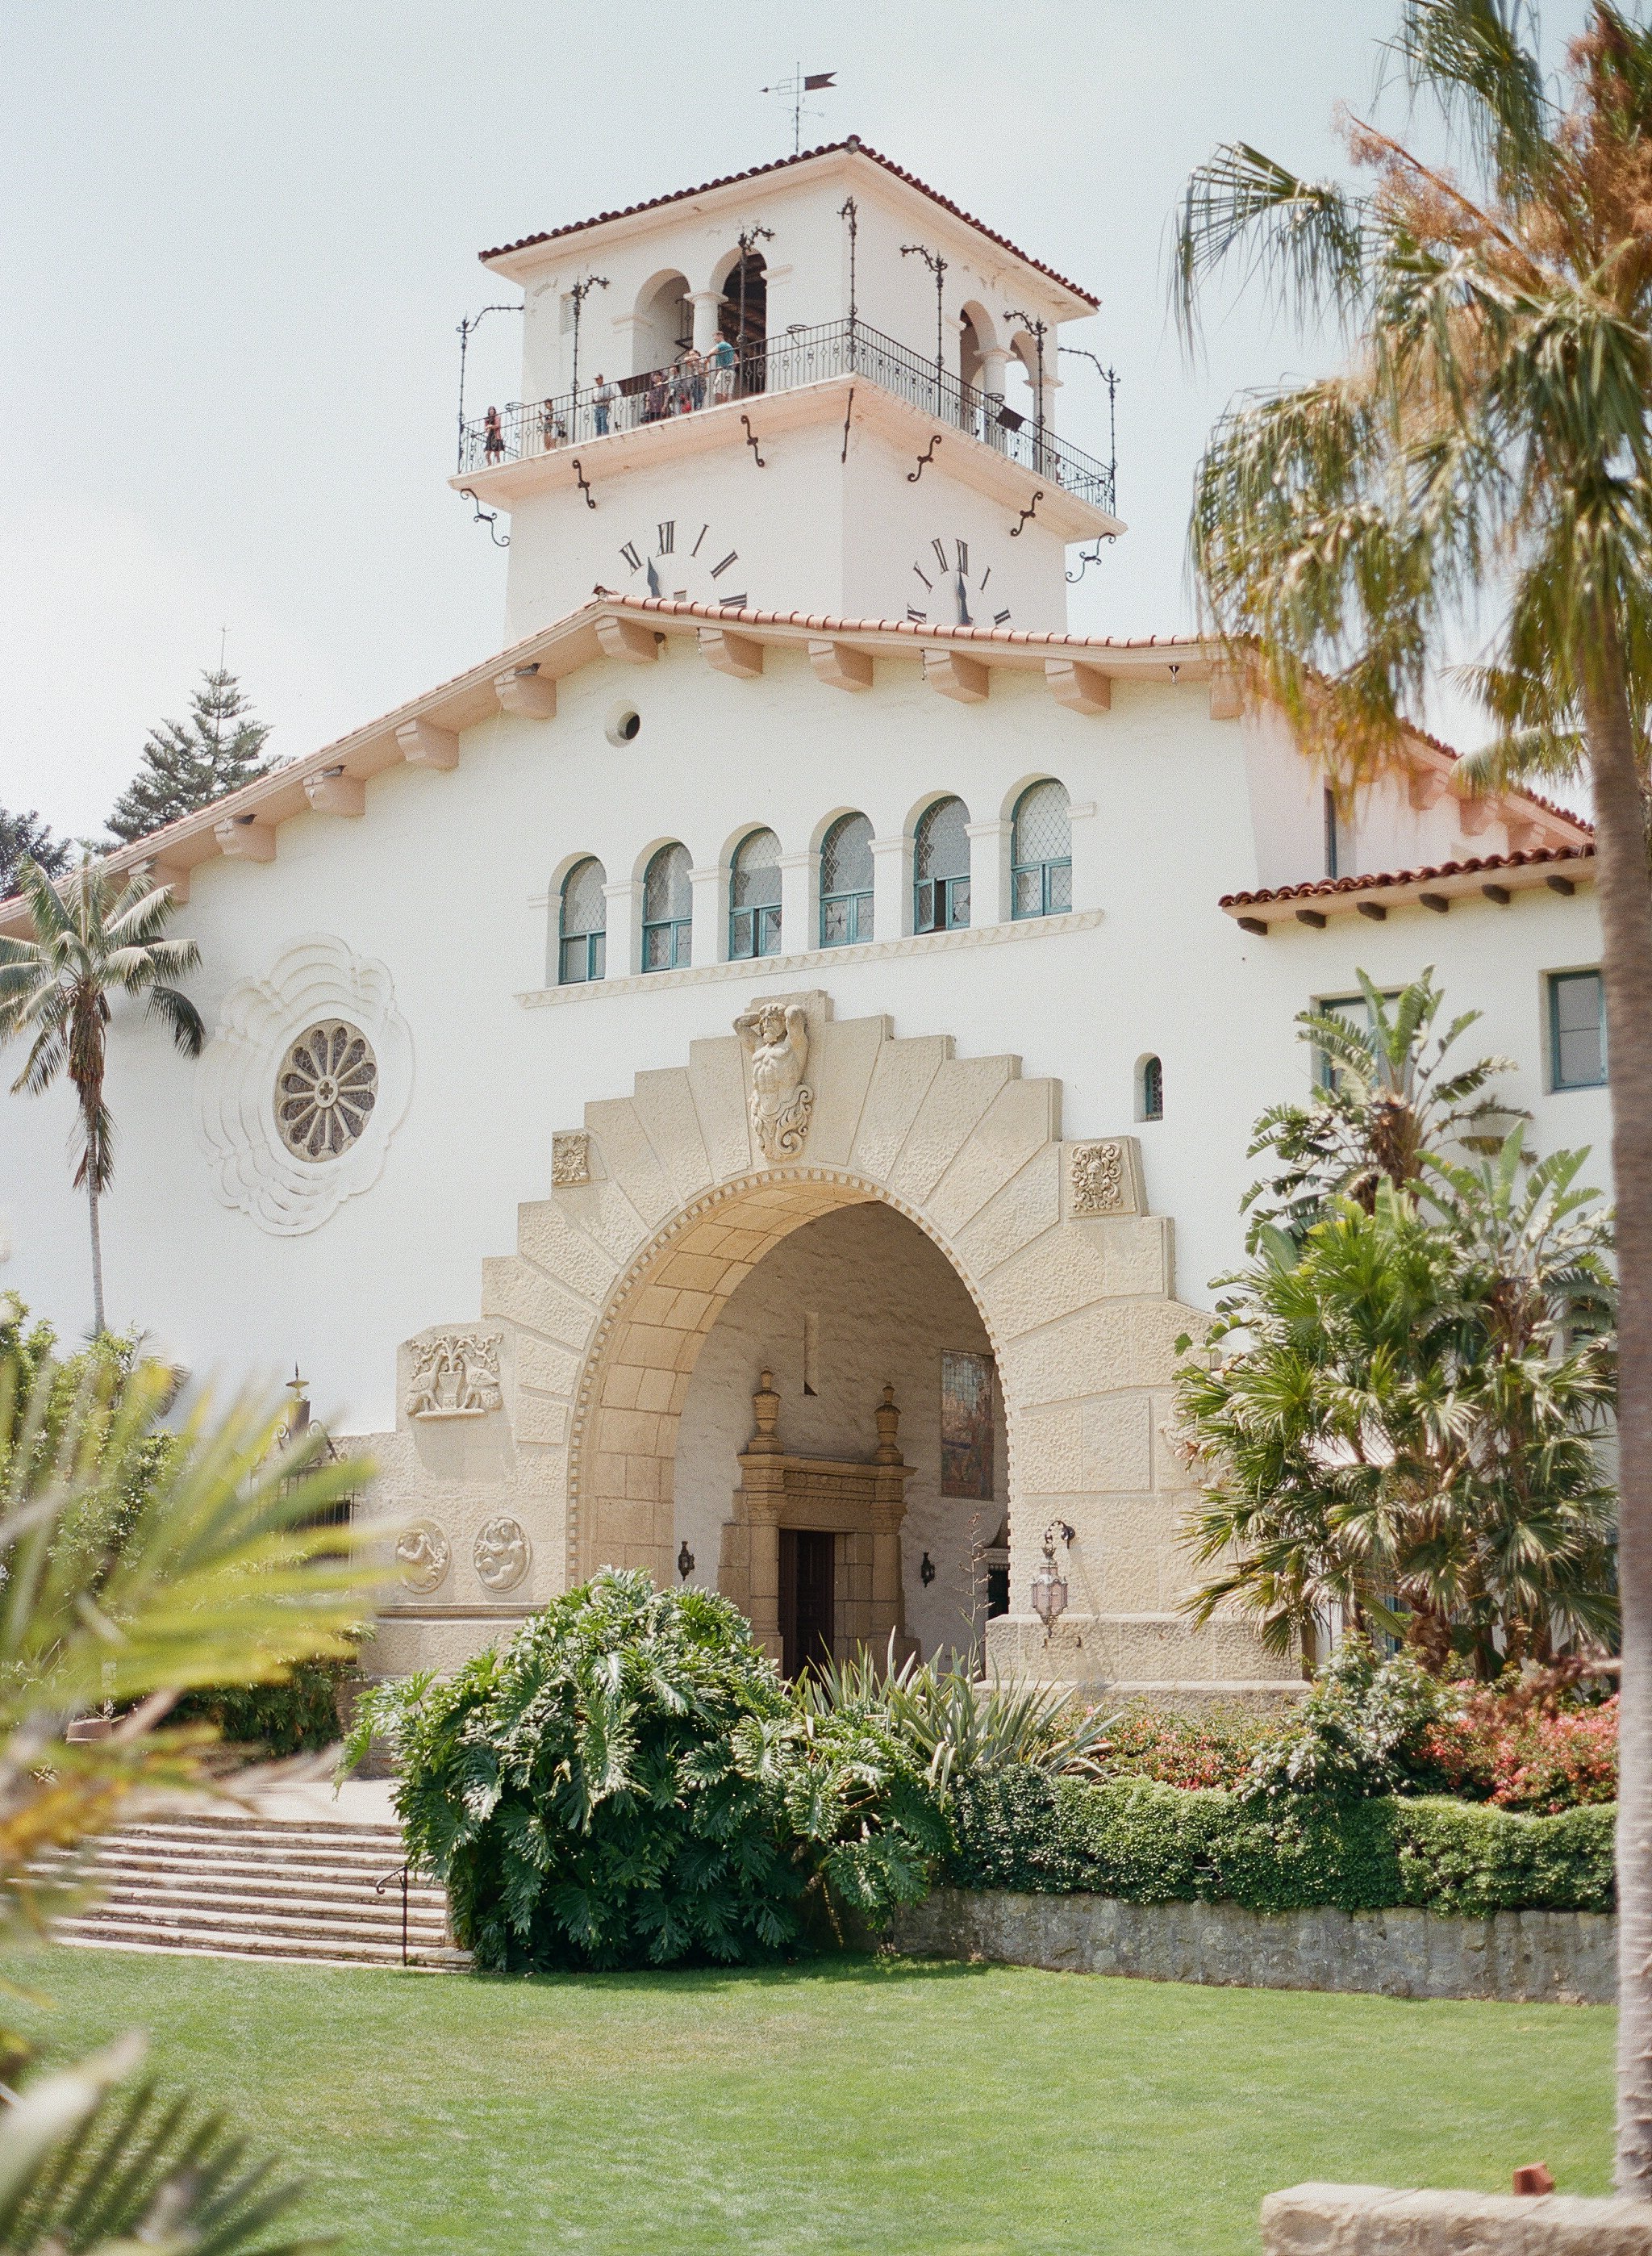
x=1478, y=59
x=1306, y=238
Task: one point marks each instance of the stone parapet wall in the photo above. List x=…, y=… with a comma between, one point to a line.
x=1521, y=1956
x=1357, y=2220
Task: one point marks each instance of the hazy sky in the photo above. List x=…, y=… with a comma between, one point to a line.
x=239, y=238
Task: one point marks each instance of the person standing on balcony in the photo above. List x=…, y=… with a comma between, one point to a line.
x=603, y=394
x=493, y=437
x=694, y=370
x=722, y=364
x=551, y=432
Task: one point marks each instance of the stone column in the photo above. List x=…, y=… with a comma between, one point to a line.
x=623, y=952
x=891, y=887
x=799, y=905
x=989, y=872
x=711, y=913
x=994, y=361
x=705, y=303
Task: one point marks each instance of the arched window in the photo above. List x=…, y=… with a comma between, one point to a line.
x=1041, y=852
x=1152, y=1089
x=668, y=910
x=940, y=868
x=754, y=896
x=583, y=924
x=845, y=882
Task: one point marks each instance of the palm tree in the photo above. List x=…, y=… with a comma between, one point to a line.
x=1487, y=442
x=1385, y=1100
x=90, y=941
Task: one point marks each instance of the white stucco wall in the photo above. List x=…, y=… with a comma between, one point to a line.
x=886, y=1304
x=445, y=880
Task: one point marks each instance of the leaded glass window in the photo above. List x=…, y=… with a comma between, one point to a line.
x=1041, y=852
x=584, y=924
x=1152, y=1089
x=668, y=910
x=845, y=882
x=754, y=896
x=940, y=868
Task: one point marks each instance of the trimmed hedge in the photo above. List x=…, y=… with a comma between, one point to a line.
x=1146, y=1843
x=297, y=1717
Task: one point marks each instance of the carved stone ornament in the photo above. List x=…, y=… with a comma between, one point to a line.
x=570, y=1157
x=455, y=1375
x=1099, y=1185
x=291, y=1172
x=776, y=1037
x=423, y=1556
x=503, y=1554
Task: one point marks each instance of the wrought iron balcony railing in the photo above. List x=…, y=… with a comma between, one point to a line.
x=783, y=364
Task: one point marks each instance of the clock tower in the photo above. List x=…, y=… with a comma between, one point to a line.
x=817, y=387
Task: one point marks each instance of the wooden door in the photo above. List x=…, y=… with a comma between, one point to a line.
x=808, y=1597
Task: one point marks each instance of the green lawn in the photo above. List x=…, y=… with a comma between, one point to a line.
x=855, y=2106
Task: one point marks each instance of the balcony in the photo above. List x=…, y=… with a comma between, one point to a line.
x=783, y=364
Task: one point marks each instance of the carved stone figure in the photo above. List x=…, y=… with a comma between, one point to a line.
x=1098, y=1179
x=776, y=1043
x=570, y=1157
x=455, y=1375
x=503, y=1554
x=423, y=1555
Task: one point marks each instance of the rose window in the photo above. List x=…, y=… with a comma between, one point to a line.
x=326, y=1087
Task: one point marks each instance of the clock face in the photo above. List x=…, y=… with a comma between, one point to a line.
x=956, y=591
x=684, y=560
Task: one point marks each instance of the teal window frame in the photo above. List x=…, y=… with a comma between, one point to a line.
x=670, y=938
x=754, y=927
x=581, y=956
x=1049, y=882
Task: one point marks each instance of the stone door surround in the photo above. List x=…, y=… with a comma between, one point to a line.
x=861, y=1503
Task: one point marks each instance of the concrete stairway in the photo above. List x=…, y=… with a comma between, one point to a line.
x=262, y=1887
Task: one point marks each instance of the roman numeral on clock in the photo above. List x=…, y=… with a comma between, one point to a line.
x=717, y=570
x=913, y=613
x=928, y=582
x=999, y=618
x=631, y=557
x=667, y=536
x=963, y=556
x=940, y=555
x=704, y=530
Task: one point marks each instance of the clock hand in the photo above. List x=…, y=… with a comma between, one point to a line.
x=964, y=619
x=653, y=578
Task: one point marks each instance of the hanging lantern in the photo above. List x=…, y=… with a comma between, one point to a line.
x=1050, y=1585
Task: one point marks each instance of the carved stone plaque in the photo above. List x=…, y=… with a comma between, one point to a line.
x=423, y=1555
x=570, y=1157
x=503, y=1554
x=455, y=1375
x=1099, y=1179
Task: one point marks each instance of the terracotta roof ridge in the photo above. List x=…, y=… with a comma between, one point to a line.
x=1368, y=881
x=851, y=144
x=911, y=629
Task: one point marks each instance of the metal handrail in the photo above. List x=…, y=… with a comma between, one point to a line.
x=400, y=1874
x=783, y=364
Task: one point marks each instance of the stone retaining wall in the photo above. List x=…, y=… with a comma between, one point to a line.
x=1521, y=1957
x=1355, y=2220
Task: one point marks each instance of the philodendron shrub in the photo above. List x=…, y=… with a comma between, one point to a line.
x=630, y=1783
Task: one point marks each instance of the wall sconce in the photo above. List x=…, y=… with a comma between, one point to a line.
x=926, y=1572
x=685, y=1560
x=1049, y=1585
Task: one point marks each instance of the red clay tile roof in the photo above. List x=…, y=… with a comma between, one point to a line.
x=780, y=164
x=916, y=630
x=1322, y=887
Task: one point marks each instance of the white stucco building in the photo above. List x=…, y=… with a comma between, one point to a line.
x=492, y=1136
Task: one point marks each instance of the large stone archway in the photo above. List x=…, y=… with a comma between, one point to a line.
x=666, y=1199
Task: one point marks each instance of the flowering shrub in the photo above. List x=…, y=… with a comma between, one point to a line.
x=1216, y=1748
x=1521, y=1753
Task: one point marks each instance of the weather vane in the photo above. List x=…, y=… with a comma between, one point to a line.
x=794, y=89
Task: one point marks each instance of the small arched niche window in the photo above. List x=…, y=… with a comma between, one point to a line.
x=940, y=868
x=754, y=896
x=1150, y=1089
x=668, y=910
x=845, y=882
x=583, y=924
x=1041, y=852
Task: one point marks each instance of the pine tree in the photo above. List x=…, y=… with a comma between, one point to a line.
x=189, y=763
x=25, y=838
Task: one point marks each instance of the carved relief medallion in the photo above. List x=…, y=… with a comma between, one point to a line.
x=455, y=1375
x=777, y=1044
x=304, y=1081
x=503, y=1554
x=570, y=1157
x=423, y=1556
x=1099, y=1179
